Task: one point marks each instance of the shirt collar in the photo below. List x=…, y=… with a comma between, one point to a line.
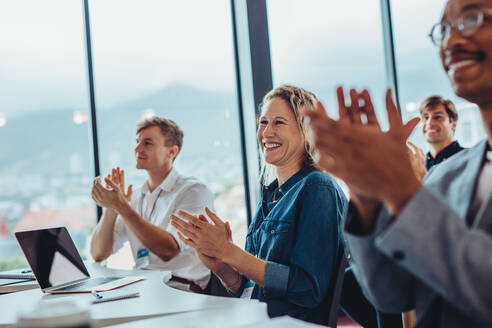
x=165, y=185
x=447, y=151
x=291, y=181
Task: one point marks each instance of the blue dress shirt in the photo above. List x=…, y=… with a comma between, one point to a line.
x=296, y=231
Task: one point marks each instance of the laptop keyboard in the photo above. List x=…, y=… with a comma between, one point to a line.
x=89, y=283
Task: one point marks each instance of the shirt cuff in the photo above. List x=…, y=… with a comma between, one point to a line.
x=404, y=240
x=276, y=279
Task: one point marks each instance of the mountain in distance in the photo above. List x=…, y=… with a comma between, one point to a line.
x=47, y=140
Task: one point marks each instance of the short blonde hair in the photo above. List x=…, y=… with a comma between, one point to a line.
x=297, y=98
x=170, y=130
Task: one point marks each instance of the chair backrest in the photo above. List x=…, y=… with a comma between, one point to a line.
x=335, y=290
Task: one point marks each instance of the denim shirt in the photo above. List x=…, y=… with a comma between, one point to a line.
x=297, y=234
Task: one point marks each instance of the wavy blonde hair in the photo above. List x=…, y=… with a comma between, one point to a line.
x=297, y=98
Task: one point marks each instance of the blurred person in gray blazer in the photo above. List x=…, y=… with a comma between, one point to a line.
x=424, y=245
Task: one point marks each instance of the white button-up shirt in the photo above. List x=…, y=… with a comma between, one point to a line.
x=175, y=193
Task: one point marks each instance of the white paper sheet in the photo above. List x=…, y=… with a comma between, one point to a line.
x=283, y=322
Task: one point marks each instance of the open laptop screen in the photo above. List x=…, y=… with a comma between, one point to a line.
x=52, y=255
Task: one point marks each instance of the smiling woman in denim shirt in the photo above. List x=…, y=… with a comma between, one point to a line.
x=293, y=240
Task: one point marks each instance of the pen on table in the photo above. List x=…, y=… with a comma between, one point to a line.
x=96, y=294
x=26, y=271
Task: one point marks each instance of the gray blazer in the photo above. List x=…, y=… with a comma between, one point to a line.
x=429, y=258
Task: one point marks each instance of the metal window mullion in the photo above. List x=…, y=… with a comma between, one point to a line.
x=242, y=133
x=90, y=78
x=259, y=40
x=254, y=79
x=389, y=49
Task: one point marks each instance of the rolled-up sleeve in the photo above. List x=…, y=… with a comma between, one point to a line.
x=276, y=279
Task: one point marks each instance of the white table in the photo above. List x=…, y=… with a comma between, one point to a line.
x=233, y=315
x=156, y=299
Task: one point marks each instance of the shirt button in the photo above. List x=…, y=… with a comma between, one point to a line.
x=398, y=255
x=272, y=231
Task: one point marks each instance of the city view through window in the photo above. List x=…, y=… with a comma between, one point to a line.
x=157, y=57
x=45, y=155
x=141, y=70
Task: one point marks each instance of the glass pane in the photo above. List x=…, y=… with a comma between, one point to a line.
x=420, y=72
x=317, y=45
x=160, y=57
x=46, y=166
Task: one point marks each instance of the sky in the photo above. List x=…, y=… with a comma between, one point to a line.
x=138, y=49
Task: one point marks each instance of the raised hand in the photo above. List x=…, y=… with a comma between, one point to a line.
x=373, y=163
x=417, y=158
x=361, y=106
x=209, y=239
x=110, y=196
x=118, y=177
x=213, y=263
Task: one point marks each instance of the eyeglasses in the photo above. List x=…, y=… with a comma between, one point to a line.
x=467, y=24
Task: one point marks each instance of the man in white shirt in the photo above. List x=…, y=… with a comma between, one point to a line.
x=142, y=216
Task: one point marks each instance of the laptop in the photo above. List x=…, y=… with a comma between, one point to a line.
x=57, y=265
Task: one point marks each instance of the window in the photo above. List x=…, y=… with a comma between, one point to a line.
x=161, y=58
x=420, y=73
x=320, y=45
x=45, y=159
